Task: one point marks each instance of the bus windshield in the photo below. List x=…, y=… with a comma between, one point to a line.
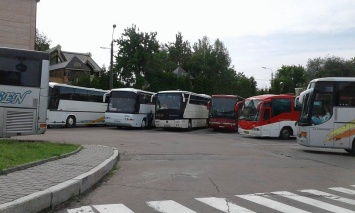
x=169, y=101
x=223, y=107
x=249, y=111
x=123, y=102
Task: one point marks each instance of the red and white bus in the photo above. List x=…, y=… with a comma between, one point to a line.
x=223, y=112
x=269, y=116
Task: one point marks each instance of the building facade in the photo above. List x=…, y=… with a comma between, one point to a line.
x=18, y=23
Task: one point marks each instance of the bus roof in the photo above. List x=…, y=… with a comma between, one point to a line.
x=333, y=79
x=225, y=96
x=181, y=91
x=132, y=90
x=24, y=53
x=51, y=84
x=270, y=96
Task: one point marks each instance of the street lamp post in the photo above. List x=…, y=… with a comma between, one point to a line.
x=272, y=73
x=111, y=62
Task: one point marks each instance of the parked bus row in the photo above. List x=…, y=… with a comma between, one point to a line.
x=28, y=103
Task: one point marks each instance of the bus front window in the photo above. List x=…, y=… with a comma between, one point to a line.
x=123, y=102
x=249, y=111
x=168, y=101
x=223, y=107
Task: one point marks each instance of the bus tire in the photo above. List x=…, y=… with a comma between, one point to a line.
x=285, y=133
x=143, y=124
x=189, y=126
x=352, y=150
x=71, y=122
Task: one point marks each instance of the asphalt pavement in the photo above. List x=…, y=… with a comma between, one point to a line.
x=45, y=185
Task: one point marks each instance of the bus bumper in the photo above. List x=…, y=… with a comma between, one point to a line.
x=172, y=123
x=251, y=132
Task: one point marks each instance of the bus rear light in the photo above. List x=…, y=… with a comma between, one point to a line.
x=43, y=125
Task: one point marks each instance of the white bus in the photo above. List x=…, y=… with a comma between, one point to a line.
x=71, y=106
x=128, y=107
x=24, y=78
x=181, y=109
x=328, y=114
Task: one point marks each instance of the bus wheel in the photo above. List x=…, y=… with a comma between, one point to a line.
x=70, y=123
x=143, y=124
x=285, y=133
x=189, y=126
x=352, y=150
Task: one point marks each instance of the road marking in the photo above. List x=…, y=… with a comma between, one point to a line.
x=223, y=205
x=112, y=208
x=329, y=196
x=271, y=203
x=312, y=202
x=169, y=206
x=344, y=190
x=83, y=209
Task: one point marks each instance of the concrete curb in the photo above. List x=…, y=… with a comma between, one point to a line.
x=46, y=199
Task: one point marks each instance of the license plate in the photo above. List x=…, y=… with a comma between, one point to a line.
x=246, y=132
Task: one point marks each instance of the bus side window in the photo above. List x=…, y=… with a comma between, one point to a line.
x=266, y=115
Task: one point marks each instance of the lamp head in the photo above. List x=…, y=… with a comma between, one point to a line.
x=114, y=26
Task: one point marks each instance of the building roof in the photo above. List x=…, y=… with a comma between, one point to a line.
x=73, y=64
x=181, y=72
x=85, y=58
x=65, y=57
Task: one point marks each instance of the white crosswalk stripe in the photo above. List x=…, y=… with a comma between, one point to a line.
x=169, y=206
x=223, y=205
x=257, y=198
x=113, y=208
x=83, y=209
x=343, y=190
x=269, y=200
x=312, y=202
x=329, y=196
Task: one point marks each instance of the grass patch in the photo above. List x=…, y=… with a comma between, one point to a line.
x=14, y=153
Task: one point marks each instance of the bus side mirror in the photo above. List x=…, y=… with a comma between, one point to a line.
x=183, y=98
x=152, y=98
x=259, y=106
x=238, y=106
x=104, y=97
x=296, y=101
x=209, y=105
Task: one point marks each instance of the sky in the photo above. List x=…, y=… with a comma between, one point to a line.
x=256, y=33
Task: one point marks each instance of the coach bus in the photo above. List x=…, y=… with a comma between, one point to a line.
x=269, y=116
x=224, y=112
x=328, y=114
x=24, y=78
x=128, y=107
x=72, y=106
x=181, y=109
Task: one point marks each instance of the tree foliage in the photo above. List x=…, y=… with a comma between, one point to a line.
x=42, y=42
x=288, y=78
x=330, y=67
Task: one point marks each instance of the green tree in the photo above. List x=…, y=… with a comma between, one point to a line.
x=179, y=52
x=287, y=78
x=42, y=42
x=135, y=55
x=330, y=67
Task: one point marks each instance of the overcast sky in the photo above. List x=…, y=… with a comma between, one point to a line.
x=257, y=33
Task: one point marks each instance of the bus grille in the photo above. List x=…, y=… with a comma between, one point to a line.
x=19, y=121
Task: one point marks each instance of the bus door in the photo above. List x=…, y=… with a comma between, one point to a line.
x=322, y=126
x=266, y=121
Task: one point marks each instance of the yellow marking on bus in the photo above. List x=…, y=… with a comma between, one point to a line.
x=342, y=132
x=97, y=120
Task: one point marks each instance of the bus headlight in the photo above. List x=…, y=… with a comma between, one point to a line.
x=303, y=135
x=256, y=129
